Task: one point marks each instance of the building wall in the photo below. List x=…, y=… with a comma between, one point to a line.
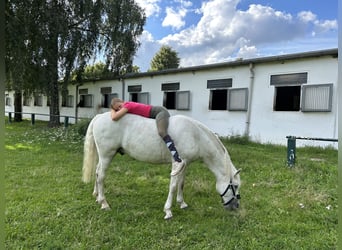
x=272, y=126
x=265, y=124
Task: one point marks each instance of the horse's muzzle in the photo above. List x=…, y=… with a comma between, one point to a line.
x=233, y=204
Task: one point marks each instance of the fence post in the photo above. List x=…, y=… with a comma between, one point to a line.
x=66, y=121
x=291, y=150
x=9, y=117
x=32, y=119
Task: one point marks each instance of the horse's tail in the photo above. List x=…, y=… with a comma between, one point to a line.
x=90, y=154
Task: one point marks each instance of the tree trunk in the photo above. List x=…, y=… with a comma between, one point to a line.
x=54, y=105
x=52, y=67
x=18, y=107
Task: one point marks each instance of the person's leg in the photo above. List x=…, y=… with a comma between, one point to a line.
x=171, y=146
x=162, y=119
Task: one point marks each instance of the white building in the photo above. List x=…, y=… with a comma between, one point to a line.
x=265, y=98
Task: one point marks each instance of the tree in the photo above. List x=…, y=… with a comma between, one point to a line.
x=97, y=71
x=49, y=39
x=165, y=58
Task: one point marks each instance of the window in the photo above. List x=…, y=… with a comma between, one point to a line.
x=83, y=91
x=219, y=93
x=8, y=101
x=170, y=86
x=27, y=100
x=238, y=99
x=68, y=101
x=287, y=98
x=48, y=101
x=174, y=99
x=140, y=97
x=170, y=89
x=38, y=100
x=317, y=98
x=289, y=79
x=135, y=94
x=110, y=97
x=169, y=100
x=288, y=91
x=218, y=99
x=106, y=97
x=86, y=101
x=134, y=88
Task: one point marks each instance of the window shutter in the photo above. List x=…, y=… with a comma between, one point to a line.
x=317, y=98
x=289, y=79
x=183, y=100
x=144, y=98
x=219, y=83
x=170, y=86
x=238, y=99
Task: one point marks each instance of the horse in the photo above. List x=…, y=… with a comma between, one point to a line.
x=137, y=137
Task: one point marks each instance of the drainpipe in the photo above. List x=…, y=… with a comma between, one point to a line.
x=76, y=103
x=123, y=88
x=250, y=95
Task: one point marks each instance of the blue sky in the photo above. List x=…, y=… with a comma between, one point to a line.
x=214, y=31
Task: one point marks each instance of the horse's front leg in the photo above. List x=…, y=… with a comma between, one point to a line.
x=180, y=198
x=168, y=203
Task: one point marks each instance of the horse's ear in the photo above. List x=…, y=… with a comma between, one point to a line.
x=237, y=172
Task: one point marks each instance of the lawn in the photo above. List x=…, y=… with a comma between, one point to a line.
x=48, y=206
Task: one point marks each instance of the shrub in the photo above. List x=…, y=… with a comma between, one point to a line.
x=81, y=126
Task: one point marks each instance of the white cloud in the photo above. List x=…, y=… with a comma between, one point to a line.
x=225, y=32
x=306, y=16
x=146, y=52
x=247, y=52
x=174, y=18
x=183, y=3
x=151, y=7
x=326, y=25
x=319, y=26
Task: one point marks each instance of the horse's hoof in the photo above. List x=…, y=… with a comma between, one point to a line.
x=183, y=205
x=168, y=215
x=105, y=208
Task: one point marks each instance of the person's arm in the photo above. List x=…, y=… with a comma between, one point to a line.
x=116, y=115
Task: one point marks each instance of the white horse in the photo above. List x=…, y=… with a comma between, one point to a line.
x=138, y=137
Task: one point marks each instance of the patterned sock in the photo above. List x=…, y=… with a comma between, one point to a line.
x=171, y=146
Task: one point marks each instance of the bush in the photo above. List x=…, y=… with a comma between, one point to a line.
x=238, y=139
x=81, y=126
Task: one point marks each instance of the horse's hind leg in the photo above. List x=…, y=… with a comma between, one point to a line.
x=99, y=184
x=95, y=192
x=180, y=198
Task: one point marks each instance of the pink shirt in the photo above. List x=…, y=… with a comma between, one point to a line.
x=138, y=108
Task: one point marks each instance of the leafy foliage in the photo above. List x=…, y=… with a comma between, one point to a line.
x=81, y=127
x=47, y=40
x=165, y=58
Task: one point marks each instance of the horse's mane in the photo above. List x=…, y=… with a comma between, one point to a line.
x=215, y=139
x=209, y=133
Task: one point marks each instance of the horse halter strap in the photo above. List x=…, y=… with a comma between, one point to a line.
x=235, y=196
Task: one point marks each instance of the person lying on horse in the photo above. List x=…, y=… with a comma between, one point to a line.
x=119, y=108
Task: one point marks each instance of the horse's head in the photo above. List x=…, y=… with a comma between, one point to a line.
x=231, y=196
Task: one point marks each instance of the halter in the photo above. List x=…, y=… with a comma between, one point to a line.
x=235, y=196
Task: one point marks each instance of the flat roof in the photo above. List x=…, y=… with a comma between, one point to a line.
x=238, y=62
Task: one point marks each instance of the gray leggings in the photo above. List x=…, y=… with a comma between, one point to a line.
x=162, y=119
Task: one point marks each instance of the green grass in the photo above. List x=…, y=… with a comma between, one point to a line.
x=48, y=207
